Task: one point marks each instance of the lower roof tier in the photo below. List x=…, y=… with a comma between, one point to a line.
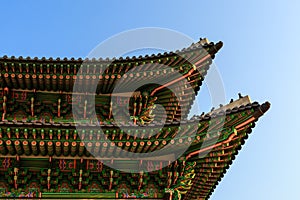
x=66, y=139
x=29, y=150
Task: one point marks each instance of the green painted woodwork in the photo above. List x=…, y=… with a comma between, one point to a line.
x=106, y=195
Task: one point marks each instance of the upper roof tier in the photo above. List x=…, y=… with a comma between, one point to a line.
x=179, y=73
x=60, y=74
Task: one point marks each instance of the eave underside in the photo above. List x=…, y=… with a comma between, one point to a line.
x=209, y=169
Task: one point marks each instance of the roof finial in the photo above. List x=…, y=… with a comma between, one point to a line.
x=204, y=41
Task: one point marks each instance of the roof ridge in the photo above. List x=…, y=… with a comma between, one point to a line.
x=202, y=43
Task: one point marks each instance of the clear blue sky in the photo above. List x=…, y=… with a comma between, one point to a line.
x=259, y=58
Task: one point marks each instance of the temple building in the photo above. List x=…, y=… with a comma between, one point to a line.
x=44, y=155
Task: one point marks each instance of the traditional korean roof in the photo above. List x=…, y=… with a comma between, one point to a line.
x=44, y=155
